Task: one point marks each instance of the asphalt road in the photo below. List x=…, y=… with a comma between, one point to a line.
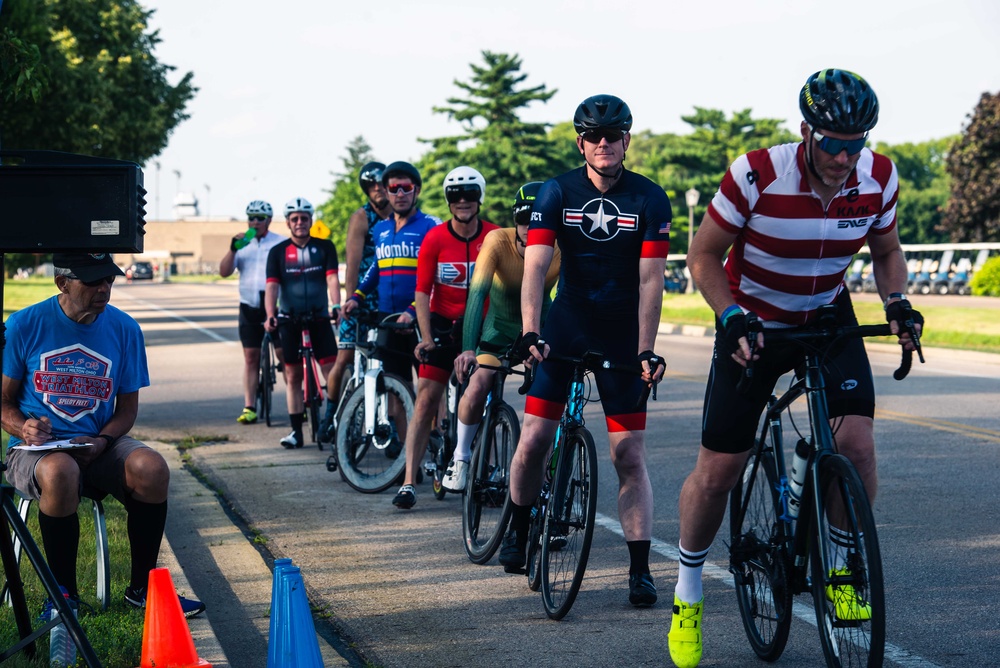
x=397, y=589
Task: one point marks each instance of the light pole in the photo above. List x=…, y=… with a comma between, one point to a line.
x=691, y=198
x=157, y=165
x=208, y=201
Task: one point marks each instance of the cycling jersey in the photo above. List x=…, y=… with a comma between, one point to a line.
x=791, y=254
x=602, y=237
x=445, y=265
x=251, y=262
x=394, y=272
x=499, y=274
x=301, y=275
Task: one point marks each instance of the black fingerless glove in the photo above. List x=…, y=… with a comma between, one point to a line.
x=528, y=340
x=898, y=311
x=653, y=359
x=734, y=329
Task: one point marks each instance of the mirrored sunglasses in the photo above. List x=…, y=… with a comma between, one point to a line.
x=455, y=194
x=835, y=146
x=595, y=136
x=401, y=188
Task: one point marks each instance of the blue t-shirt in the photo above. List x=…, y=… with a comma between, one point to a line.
x=602, y=238
x=70, y=372
x=394, y=271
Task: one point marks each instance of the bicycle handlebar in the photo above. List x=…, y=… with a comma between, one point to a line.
x=592, y=360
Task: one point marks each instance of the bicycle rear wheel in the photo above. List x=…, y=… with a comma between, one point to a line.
x=265, y=379
x=314, y=398
x=569, y=525
x=533, y=562
x=846, y=540
x=487, y=499
x=371, y=463
x=758, y=556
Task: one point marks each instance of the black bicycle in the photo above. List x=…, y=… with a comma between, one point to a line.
x=267, y=376
x=313, y=380
x=487, y=509
x=443, y=440
x=831, y=547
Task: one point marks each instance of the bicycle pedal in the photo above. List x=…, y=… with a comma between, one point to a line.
x=331, y=464
x=430, y=468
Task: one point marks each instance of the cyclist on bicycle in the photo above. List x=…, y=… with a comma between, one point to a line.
x=250, y=259
x=794, y=215
x=303, y=272
x=498, y=275
x=447, y=261
x=360, y=251
x=613, y=228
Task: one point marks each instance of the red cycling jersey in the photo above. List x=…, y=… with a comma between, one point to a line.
x=445, y=266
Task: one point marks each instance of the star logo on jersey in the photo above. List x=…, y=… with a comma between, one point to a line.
x=74, y=381
x=600, y=219
x=455, y=273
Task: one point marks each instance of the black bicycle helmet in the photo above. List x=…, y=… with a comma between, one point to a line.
x=838, y=101
x=400, y=168
x=524, y=201
x=602, y=112
x=370, y=175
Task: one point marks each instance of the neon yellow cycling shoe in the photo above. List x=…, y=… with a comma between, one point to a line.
x=849, y=606
x=685, y=633
x=248, y=416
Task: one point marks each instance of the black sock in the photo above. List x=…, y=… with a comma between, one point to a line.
x=520, y=519
x=145, y=531
x=638, y=552
x=61, y=539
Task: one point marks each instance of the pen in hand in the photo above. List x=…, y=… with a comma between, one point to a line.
x=44, y=428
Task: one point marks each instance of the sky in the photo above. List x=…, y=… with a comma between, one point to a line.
x=285, y=86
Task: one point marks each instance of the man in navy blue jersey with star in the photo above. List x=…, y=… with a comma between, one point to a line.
x=613, y=229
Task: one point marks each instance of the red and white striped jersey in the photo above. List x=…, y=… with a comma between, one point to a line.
x=790, y=255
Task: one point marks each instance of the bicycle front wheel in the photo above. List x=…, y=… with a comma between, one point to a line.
x=314, y=399
x=265, y=380
x=847, y=571
x=487, y=498
x=569, y=525
x=758, y=557
x=371, y=463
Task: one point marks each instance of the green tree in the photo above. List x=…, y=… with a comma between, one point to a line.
x=345, y=194
x=923, y=188
x=494, y=140
x=95, y=86
x=973, y=212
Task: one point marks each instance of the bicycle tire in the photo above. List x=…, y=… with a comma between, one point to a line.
x=533, y=561
x=758, y=557
x=570, y=519
x=314, y=399
x=487, y=508
x=848, y=643
x=365, y=466
x=265, y=380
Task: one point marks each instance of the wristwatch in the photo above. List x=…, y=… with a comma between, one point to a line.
x=893, y=296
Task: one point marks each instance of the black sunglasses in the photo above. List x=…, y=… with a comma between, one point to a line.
x=455, y=194
x=92, y=284
x=595, y=136
x=257, y=219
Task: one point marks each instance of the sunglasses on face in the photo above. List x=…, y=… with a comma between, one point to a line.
x=256, y=219
x=455, y=194
x=835, y=146
x=595, y=136
x=401, y=188
x=93, y=284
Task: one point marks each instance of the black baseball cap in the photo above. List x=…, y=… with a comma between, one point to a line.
x=87, y=266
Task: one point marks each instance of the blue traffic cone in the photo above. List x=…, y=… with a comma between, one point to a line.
x=297, y=643
x=279, y=615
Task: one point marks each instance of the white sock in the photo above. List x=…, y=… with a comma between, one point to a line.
x=689, y=571
x=463, y=449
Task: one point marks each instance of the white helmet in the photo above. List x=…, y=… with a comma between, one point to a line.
x=259, y=207
x=298, y=204
x=461, y=179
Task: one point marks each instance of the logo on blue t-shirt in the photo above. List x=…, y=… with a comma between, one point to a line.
x=73, y=381
x=600, y=219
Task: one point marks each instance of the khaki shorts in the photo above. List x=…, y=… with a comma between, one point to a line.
x=105, y=475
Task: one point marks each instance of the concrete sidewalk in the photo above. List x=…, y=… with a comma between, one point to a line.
x=211, y=559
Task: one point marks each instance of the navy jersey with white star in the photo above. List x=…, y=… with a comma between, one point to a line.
x=601, y=237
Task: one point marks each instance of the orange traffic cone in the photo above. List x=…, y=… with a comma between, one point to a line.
x=166, y=638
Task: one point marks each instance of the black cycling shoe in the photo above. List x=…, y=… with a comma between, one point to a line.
x=512, y=557
x=641, y=590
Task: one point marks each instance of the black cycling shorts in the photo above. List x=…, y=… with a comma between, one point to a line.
x=730, y=419
x=251, y=324
x=324, y=343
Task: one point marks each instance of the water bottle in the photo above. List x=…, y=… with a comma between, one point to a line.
x=798, y=478
x=247, y=238
x=62, y=649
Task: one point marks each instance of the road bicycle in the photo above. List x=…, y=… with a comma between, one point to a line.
x=444, y=439
x=313, y=380
x=486, y=508
x=562, y=526
x=369, y=445
x=267, y=377
x=821, y=539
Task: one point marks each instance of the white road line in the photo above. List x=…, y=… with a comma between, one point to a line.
x=207, y=332
x=804, y=612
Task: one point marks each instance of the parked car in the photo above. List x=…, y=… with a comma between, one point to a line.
x=674, y=280
x=140, y=271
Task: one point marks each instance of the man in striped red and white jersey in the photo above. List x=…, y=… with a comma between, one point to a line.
x=793, y=216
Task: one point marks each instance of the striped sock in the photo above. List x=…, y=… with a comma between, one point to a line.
x=689, y=570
